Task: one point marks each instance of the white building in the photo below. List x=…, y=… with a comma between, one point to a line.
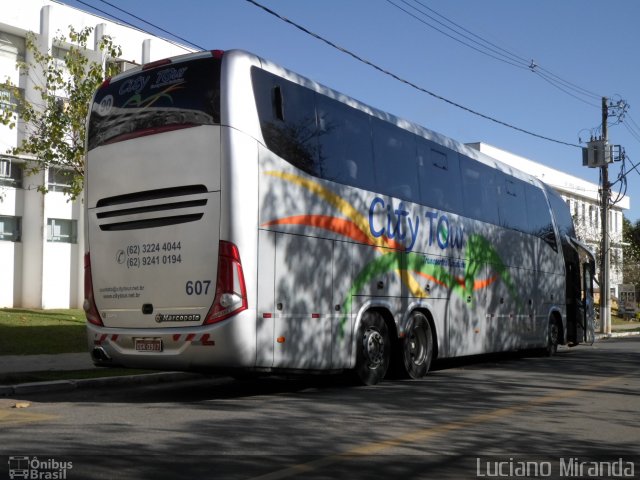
x=582, y=198
x=41, y=240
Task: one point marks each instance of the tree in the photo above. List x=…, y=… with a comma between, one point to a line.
x=68, y=76
x=631, y=252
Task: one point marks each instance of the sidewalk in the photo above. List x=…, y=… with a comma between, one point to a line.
x=45, y=363
x=621, y=330
x=24, y=364
x=82, y=361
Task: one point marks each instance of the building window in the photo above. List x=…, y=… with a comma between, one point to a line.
x=62, y=230
x=59, y=180
x=10, y=173
x=12, y=47
x=10, y=228
x=10, y=98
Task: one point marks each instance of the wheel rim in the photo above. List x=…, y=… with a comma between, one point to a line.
x=417, y=346
x=373, y=347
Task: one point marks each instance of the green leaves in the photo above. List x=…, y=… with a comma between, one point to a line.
x=65, y=78
x=631, y=251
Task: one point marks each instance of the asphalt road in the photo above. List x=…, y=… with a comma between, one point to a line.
x=466, y=419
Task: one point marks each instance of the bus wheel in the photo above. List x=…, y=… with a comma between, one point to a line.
x=373, y=349
x=417, y=346
x=553, y=338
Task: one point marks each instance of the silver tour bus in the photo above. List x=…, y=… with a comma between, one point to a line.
x=242, y=218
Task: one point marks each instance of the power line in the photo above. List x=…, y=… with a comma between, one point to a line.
x=488, y=48
x=632, y=126
x=631, y=131
x=588, y=93
x=406, y=82
x=634, y=167
x=532, y=66
x=633, y=121
x=496, y=56
x=546, y=78
x=153, y=25
x=125, y=22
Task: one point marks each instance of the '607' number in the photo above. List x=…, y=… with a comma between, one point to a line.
x=197, y=287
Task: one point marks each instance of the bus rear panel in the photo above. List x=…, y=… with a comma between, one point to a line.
x=160, y=279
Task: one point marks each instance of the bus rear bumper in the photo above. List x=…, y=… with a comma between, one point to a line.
x=202, y=348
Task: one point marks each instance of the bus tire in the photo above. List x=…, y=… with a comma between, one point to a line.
x=373, y=349
x=417, y=346
x=553, y=338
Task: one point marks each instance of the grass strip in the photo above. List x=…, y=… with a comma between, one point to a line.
x=33, y=332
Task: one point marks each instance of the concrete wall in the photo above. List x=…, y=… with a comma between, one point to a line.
x=36, y=272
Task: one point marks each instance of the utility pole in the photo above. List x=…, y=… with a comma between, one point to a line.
x=605, y=307
x=599, y=153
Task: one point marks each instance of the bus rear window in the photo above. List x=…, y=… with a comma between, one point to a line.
x=170, y=96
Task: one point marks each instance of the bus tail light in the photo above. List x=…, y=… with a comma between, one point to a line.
x=231, y=292
x=89, y=304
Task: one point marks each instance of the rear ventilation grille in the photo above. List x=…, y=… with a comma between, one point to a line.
x=152, y=208
x=151, y=195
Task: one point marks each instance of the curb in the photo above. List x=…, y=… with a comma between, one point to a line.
x=606, y=336
x=87, y=383
x=151, y=378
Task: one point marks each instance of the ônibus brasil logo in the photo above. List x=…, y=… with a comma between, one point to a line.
x=38, y=469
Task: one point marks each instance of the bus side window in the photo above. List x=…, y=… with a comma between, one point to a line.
x=479, y=190
x=539, y=216
x=394, y=151
x=512, y=206
x=288, y=119
x=439, y=177
x=344, y=143
x=561, y=214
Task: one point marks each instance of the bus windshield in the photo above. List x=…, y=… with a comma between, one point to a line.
x=169, y=96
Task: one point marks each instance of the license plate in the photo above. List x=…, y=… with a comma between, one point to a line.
x=148, y=344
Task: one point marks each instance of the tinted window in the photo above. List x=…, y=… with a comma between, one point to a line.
x=479, y=190
x=288, y=119
x=395, y=160
x=512, y=206
x=439, y=177
x=331, y=140
x=562, y=215
x=539, y=215
x=185, y=93
x=345, y=148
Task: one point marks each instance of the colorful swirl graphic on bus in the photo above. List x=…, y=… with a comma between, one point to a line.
x=136, y=99
x=394, y=232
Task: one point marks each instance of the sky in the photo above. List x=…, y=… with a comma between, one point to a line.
x=582, y=50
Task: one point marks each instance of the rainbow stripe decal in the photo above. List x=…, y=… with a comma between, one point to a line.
x=395, y=256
